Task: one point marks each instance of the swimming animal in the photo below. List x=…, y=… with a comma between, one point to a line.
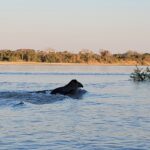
x=69, y=89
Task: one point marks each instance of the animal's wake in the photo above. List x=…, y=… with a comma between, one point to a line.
x=71, y=90
x=43, y=97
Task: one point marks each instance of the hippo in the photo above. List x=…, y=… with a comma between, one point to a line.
x=69, y=89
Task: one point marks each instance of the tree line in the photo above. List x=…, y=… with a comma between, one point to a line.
x=83, y=56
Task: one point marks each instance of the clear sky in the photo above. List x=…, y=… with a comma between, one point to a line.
x=116, y=25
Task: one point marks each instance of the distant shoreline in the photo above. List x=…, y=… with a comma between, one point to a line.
x=70, y=64
x=83, y=57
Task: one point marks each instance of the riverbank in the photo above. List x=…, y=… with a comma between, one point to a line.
x=72, y=64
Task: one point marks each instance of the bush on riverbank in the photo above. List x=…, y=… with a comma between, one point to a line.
x=83, y=56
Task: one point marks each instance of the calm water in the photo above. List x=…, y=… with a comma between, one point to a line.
x=113, y=114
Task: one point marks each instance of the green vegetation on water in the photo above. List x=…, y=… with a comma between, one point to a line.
x=83, y=56
x=141, y=74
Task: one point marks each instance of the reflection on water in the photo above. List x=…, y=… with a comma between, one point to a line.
x=113, y=114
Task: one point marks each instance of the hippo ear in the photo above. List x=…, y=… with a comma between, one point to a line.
x=74, y=80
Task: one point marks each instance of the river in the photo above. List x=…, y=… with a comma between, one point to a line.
x=114, y=113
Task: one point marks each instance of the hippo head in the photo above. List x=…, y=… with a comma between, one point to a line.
x=69, y=89
x=75, y=83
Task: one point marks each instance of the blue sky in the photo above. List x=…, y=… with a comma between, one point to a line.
x=116, y=25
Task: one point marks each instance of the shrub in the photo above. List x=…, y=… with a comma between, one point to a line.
x=140, y=74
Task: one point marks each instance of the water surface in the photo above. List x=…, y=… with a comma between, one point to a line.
x=113, y=114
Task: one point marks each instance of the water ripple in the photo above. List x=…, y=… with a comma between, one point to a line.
x=113, y=114
x=64, y=74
